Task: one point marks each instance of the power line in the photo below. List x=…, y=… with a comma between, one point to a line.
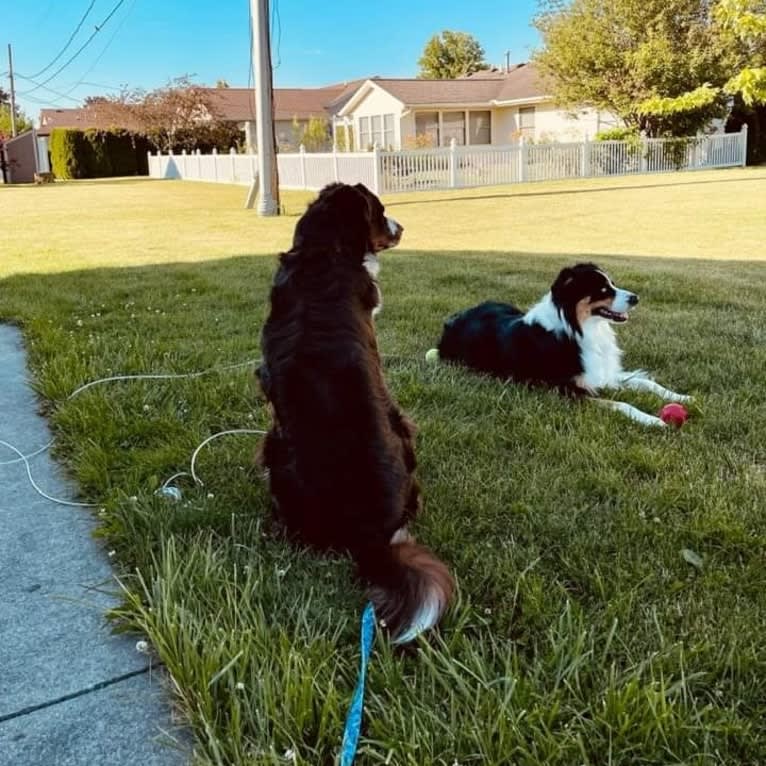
x=98, y=58
x=46, y=88
x=68, y=42
x=98, y=28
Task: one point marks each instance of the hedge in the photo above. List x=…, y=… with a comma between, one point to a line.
x=97, y=153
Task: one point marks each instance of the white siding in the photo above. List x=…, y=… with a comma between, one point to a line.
x=378, y=102
x=551, y=124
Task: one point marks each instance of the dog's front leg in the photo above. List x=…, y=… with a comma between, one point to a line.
x=639, y=381
x=632, y=412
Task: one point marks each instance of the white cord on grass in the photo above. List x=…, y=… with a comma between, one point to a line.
x=194, y=476
x=37, y=489
x=168, y=376
x=115, y=378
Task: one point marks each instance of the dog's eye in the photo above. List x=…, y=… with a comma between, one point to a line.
x=603, y=289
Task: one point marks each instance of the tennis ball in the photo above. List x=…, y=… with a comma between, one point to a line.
x=432, y=356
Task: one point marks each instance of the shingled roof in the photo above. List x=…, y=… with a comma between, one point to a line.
x=303, y=103
x=489, y=87
x=82, y=118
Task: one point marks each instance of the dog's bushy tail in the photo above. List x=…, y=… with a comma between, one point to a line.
x=408, y=585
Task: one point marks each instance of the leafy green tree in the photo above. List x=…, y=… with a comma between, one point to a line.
x=633, y=57
x=314, y=135
x=743, y=24
x=23, y=122
x=451, y=55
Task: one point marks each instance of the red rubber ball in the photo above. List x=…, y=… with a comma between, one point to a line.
x=674, y=414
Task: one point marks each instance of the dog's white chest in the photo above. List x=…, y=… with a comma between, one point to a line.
x=372, y=264
x=600, y=355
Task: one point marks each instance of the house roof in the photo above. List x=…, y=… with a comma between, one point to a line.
x=303, y=103
x=425, y=92
x=232, y=104
x=82, y=118
x=522, y=82
x=489, y=87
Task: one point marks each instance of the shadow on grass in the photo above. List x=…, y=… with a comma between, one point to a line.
x=564, y=525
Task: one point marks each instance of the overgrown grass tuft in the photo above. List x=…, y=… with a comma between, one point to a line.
x=581, y=632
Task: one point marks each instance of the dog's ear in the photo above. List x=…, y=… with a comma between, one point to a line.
x=563, y=280
x=339, y=216
x=353, y=201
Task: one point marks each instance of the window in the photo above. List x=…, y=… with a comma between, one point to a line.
x=480, y=127
x=527, y=121
x=427, y=128
x=365, y=137
x=377, y=129
x=454, y=127
x=388, y=131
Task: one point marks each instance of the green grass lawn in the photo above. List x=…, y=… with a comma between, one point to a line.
x=581, y=634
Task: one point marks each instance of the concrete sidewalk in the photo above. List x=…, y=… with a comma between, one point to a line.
x=71, y=693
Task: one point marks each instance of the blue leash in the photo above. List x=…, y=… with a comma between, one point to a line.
x=354, y=716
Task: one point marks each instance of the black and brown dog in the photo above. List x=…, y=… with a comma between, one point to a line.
x=340, y=453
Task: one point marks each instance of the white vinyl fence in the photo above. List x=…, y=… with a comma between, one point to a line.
x=465, y=166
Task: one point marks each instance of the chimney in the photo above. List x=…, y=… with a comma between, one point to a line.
x=507, y=61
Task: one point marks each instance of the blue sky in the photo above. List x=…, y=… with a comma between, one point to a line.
x=146, y=42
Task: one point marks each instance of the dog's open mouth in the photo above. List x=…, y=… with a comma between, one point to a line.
x=612, y=316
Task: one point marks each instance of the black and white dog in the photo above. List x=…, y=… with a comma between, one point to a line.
x=565, y=341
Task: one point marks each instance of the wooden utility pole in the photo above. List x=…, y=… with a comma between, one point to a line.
x=267, y=181
x=13, y=91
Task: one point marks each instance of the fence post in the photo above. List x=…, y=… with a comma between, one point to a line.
x=335, y=161
x=743, y=143
x=215, y=164
x=233, y=155
x=376, y=169
x=586, y=158
x=644, y=152
x=199, y=163
x=523, y=157
x=302, y=154
x=452, y=163
x=184, y=172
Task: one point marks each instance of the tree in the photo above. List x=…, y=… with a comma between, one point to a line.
x=451, y=55
x=315, y=135
x=23, y=123
x=180, y=115
x=743, y=25
x=741, y=28
x=633, y=58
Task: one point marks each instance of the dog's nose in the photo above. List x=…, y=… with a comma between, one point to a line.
x=395, y=228
x=633, y=299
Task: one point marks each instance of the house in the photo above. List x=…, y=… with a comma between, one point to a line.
x=491, y=107
x=293, y=109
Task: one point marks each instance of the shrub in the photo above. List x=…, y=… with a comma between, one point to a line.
x=97, y=153
x=68, y=153
x=618, y=134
